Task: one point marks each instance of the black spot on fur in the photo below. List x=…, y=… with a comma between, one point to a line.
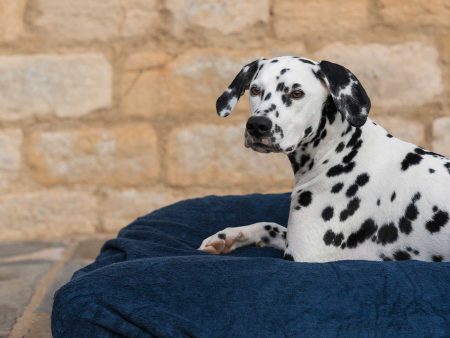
x=288, y=257
x=438, y=221
x=306, y=61
x=284, y=70
x=327, y=213
x=416, y=197
x=388, y=233
x=311, y=164
x=280, y=87
x=304, y=159
x=276, y=229
x=331, y=238
x=267, y=96
x=272, y=234
x=267, y=227
x=340, y=147
x=352, y=207
x=411, y=212
x=447, y=166
x=437, y=258
x=362, y=179
x=355, y=137
x=410, y=160
x=389, y=135
x=305, y=198
x=222, y=236
x=274, y=61
x=295, y=165
x=308, y=131
x=286, y=100
x=405, y=225
x=283, y=235
x=421, y=151
x=378, y=202
x=365, y=232
x=340, y=169
x=431, y=171
x=337, y=187
x=393, y=196
x=401, y=255
x=351, y=191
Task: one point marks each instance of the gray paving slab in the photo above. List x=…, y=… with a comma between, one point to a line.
x=84, y=253
x=18, y=283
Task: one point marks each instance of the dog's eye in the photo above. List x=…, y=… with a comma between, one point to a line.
x=255, y=91
x=297, y=94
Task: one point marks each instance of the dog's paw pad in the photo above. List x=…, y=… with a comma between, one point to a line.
x=221, y=243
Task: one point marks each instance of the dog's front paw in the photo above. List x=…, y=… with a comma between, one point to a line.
x=223, y=242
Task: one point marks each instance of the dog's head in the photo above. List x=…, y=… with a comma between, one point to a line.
x=287, y=95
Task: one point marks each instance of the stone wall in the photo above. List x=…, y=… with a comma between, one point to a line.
x=107, y=106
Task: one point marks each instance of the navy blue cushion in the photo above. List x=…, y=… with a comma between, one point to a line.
x=152, y=282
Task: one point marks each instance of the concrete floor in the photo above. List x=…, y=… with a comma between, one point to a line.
x=30, y=273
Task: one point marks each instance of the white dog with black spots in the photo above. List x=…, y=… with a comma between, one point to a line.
x=359, y=193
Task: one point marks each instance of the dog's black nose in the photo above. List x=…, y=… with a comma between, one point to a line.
x=259, y=126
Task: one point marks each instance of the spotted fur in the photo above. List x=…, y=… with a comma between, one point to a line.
x=360, y=193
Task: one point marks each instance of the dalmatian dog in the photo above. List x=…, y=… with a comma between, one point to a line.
x=359, y=192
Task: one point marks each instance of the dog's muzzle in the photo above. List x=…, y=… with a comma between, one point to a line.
x=258, y=134
x=259, y=126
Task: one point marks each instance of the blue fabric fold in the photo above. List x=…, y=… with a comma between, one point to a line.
x=152, y=282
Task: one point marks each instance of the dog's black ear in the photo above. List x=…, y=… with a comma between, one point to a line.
x=347, y=92
x=227, y=101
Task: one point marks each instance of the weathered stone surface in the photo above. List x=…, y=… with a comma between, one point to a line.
x=146, y=60
x=62, y=85
x=31, y=252
x=416, y=12
x=212, y=155
x=119, y=208
x=319, y=17
x=40, y=327
x=87, y=20
x=400, y=75
x=84, y=254
x=11, y=19
x=225, y=16
x=88, y=249
x=190, y=83
x=47, y=214
x=117, y=155
x=441, y=136
x=21, y=249
x=17, y=284
x=62, y=277
x=444, y=51
x=404, y=129
x=10, y=156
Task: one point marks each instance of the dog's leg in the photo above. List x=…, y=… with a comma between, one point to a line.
x=261, y=234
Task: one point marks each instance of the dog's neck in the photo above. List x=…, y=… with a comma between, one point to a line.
x=320, y=151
